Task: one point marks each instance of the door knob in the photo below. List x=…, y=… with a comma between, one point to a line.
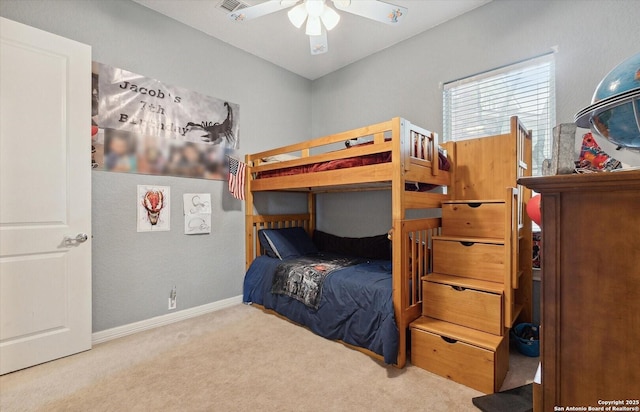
x=80, y=238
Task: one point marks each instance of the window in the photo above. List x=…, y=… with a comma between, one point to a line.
x=481, y=105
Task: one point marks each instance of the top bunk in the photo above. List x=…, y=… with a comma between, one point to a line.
x=387, y=155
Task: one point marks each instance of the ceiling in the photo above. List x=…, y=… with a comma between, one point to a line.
x=275, y=39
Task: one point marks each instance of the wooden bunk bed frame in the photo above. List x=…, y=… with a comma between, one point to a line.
x=411, y=238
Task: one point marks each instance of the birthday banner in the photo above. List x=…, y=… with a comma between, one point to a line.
x=141, y=125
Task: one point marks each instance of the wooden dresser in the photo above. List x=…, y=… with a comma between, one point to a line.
x=481, y=280
x=590, y=304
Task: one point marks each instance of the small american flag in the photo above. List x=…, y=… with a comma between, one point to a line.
x=236, y=178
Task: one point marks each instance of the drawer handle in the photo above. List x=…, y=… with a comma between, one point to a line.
x=474, y=205
x=448, y=340
x=467, y=243
x=458, y=288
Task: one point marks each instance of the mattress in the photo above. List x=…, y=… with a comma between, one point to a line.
x=355, y=161
x=355, y=307
x=337, y=164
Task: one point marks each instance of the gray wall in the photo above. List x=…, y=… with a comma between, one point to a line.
x=133, y=273
x=405, y=80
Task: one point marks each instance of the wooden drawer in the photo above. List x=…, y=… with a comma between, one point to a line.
x=473, y=219
x=476, y=260
x=467, y=307
x=480, y=368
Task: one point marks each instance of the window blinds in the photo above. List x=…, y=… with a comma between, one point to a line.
x=481, y=105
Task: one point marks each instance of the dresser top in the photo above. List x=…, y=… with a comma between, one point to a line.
x=602, y=181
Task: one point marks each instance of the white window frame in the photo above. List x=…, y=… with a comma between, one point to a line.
x=486, y=101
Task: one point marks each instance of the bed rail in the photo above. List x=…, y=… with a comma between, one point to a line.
x=417, y=236
x=423, y=148
x=414, y=148
x=411, y=262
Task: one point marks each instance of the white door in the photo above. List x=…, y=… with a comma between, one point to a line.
x=45, y=196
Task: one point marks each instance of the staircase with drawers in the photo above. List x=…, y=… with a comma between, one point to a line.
x=481, y=265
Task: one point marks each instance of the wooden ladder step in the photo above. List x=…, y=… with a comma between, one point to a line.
x=452, y=331
x=457, y=202
x=491, y=240
x=467, y=283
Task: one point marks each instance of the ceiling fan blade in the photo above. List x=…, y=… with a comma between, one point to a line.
x=259, y=10
x=297, y=15
x=373, y=9
x=319, y=44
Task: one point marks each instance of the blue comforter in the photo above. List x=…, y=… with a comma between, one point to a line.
x=356, y=304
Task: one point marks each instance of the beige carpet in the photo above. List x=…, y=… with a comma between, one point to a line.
x=237, y=359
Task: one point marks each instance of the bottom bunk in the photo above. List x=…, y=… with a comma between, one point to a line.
x=354, y=304
x=344, y=289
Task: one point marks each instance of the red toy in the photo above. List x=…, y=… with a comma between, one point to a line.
x=533, y=209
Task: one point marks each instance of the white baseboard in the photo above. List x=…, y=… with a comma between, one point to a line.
x=125, y=330
x=537, y=274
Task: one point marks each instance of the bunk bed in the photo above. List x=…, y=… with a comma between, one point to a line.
x=395, y=155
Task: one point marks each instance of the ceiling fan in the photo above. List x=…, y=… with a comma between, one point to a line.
x=320, y=17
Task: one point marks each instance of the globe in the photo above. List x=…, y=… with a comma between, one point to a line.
x=614, y=112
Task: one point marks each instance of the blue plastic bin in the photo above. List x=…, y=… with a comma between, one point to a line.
x=526, y=345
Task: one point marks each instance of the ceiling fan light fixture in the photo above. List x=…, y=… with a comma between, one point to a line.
x=314, y=27
x=315, y=8
x=320, y=17
x=330, y=18
x=297, y=15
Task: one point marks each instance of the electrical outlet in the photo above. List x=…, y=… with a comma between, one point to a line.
x=172, y=299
